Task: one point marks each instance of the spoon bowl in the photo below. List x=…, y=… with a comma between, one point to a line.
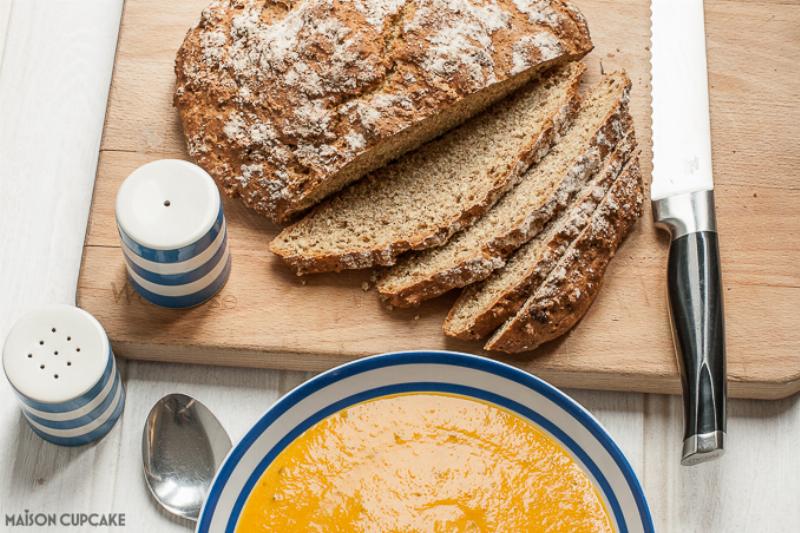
x=183, y=445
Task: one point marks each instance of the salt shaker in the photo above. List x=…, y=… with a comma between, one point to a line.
x=59, y=362
x=172, y=227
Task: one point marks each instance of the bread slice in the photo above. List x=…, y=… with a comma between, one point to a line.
x=572, y=285
x=482, y=307
x=286, y=102
x=544, y=191
x=422, y=199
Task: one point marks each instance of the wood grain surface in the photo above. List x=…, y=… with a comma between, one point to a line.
x=267, y=317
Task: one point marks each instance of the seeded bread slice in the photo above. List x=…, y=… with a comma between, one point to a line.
x=545, y=190
x=426, y=196
x=482, y=307
x=571, y=287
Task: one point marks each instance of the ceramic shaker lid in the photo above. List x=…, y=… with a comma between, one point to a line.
x=55, y=354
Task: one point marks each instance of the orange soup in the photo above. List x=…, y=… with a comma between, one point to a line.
x=424, y=462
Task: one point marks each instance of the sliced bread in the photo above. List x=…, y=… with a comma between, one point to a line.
x=423, y=198
x=285, y=102
x=571, y=286
x=482, y=307
x=544, y=191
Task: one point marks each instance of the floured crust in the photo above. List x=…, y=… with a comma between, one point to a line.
x=507, y=302
x=571, y=287
x=505, y=177
x=493, y=254
x=284, y=102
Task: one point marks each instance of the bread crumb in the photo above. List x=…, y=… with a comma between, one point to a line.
x=364, y=286
x=303, y=282
x=416, y=317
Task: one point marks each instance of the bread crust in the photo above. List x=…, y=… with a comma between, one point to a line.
x=284, y=102
x=536, y=148
x=493, y=254
x=571, y=287
x=507, y=303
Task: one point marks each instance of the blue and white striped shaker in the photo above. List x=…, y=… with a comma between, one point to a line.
x=59, y=362
x=170, y=221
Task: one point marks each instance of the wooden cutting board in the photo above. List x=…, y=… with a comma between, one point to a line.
x=267, y=317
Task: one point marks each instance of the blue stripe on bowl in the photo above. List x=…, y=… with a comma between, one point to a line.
x=81, y=420
x=424, y=357
x=188, y=300
x=86, y=438
x=179, y=254
x=75, y=403
x=184, y=278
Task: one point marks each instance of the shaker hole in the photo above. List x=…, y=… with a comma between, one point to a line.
x=53, y=330
x=30, y=355
x=77, y=349
x=41, y=366
x=69, y=363
x=167, y=203
x=41, y=342
x=69, y=339
x=55, y=376
x=55, y=352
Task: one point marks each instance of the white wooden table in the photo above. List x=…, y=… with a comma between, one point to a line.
x=55, y=71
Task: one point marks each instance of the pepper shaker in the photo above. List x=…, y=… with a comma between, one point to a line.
x=59, y=362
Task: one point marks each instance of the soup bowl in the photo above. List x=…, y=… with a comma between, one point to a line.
x=529, y=397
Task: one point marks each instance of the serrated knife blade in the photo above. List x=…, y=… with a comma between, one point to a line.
x=681, y=127
x=683, y=203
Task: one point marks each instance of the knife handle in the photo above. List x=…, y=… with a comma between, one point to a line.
x=694, y=288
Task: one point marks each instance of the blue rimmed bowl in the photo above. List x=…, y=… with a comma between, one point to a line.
x=433, y=371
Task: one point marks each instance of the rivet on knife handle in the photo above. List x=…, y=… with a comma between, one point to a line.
x=695, y=300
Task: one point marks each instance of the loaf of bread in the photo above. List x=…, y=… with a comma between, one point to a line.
x=424, y=197
x=572, y=285
x=482, y=307
x=546, y=190
x=285, y=102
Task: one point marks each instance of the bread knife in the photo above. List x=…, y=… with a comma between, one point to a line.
x=682, y=194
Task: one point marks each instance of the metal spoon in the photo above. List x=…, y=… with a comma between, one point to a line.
x=183, y=445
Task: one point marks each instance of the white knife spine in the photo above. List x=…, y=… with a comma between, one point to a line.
x=681, y=127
